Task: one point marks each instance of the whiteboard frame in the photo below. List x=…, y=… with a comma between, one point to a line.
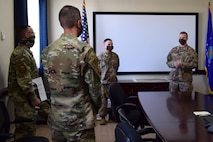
x=105, y=25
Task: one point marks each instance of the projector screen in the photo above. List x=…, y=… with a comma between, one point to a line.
x=143, y=40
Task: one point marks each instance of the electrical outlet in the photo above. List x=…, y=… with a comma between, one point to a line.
x=3, y=37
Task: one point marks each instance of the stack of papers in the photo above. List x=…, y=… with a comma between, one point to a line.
x=202, y=113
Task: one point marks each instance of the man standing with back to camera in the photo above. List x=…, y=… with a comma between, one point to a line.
x=71, y=67
x=182, y=59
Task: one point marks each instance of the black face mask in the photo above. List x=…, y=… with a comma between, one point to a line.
x=29, y=42
x=182, y=41
x=109, y=48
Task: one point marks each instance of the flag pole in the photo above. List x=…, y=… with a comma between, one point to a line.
x=85, y=32
x=209, y=51
x=209, y=5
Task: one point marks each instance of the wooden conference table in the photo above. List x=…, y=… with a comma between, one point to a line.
x=171, y=115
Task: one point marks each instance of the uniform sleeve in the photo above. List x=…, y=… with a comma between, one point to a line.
x=118, y=63
x=44, y=61
x=92, y=78
x=23, y=76
x=190, y=60
x=170, y=62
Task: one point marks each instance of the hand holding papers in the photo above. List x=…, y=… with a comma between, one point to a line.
x=41, y=90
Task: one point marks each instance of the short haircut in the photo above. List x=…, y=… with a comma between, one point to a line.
x=184, y=33
x=20, y=31
x=68, y=15
x=107, y=39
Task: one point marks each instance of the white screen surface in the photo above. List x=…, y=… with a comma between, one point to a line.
x=143, y=40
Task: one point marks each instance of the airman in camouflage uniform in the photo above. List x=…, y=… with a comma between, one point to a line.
x=109, y=63
x=22, y=90
x=71, y=67
x=182, y=59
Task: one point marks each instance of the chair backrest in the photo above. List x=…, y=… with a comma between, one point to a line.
x=5, y=128
x=117, y=96
x=3, y=92
x=4, y=123
x=126, y=133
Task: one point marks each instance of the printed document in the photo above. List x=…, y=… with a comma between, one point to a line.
x=41, y=90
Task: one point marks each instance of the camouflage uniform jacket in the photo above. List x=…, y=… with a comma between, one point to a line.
x=74, y=80
x=22, y=70
x=109, y=64
x=189, y=60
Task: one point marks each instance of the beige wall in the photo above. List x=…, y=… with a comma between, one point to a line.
x=200, y=6
x=7, y=45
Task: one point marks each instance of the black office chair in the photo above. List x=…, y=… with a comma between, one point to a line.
x=128, y=115
x=124, y=110
x=5, y=128
x=126, y=133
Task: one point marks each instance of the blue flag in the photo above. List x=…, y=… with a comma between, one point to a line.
x=209, y=52
x=85, y=33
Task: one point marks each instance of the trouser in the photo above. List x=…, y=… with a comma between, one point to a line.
x=180, y=86
x=104, y=95
x=87, y=135
x=25, y=129
x=25, y=118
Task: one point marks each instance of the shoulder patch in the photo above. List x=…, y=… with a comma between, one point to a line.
x=21, y=67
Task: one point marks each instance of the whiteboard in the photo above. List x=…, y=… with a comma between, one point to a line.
x=143, y=40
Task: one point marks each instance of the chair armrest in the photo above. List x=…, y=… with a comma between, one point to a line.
x=132, y=97
x=123, y=108
x=122, y=116
x=144, y=131
x=128, y=106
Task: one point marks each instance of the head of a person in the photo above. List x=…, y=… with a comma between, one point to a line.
x=26, y=35
x=108, y=45
x=183, y=37
x=70, y=18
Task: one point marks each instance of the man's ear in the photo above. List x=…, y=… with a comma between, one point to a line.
x=26, y=35
x=79, y=23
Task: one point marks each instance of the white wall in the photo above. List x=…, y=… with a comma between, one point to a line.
x=7, y=45
x=199, y=6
